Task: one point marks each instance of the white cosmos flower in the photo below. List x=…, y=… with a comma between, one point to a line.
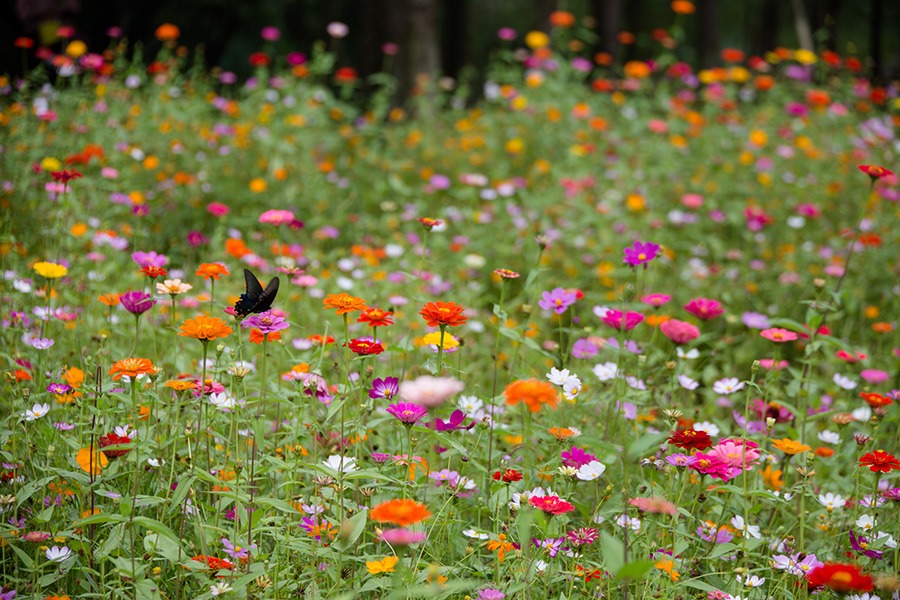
x=866, y=522
x=222, y=400
x=571, y=388
x=343, y=464
x=862, y=414
x=558, y=377
x=219, y=588
x=844, y=382
x=590, y=471
x=831, y=501
x=711, y=428
x=631, y=522
x=36, y=412
x=829, y=437
x=475, y=534
x=58, y=554
x=740, y=525
x=729, y=385
x=469, y=404
x=605, y=371
x=689, y=355
x=688, y=383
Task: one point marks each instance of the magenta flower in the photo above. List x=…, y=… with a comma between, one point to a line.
x=384, y=388
x=576, y=457
x=860, y=545
x=266, y=322
x=402, y=537
x=456, y=421
x=559, y=300
x=679, y=331
x=711, y=465
x=277, y=217
x=407, y=412
x=656, y=300
x=640, y=253
x=149, y=259
x=704, y=308
x=619, y=320
x=136, y=302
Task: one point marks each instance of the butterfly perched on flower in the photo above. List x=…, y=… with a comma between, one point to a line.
x=255, y=299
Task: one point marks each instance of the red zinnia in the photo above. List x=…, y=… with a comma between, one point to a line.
x=507, y=476
x=691, y=439
x=154, y=272
x=874, y=171
x=364, y=347
x=875, y=400
x=551, y=504
x=213, y=562
x=376, y=317
x=880, y=461
x=840, y=578
x=112, y=439
x=65, y=176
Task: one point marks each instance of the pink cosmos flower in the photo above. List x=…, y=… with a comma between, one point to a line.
x=640, y=253
x=430, y=391
x=679, y=331
x=704, y=308
x=217, y=209
x=778, y=335
x=656, y=300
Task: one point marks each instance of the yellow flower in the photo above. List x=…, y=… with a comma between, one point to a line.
x=76, y=49
x=536, y=39
x=434, y=339
x=805, y=57
x=50, y=270
x=385, y=565
x=51, y=164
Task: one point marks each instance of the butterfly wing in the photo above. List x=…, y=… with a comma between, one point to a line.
x=267, y=296
x=250, y=298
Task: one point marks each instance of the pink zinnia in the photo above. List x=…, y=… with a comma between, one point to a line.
x=779, y=335
x=217, y=209
x=710, y=464
x=704, y=308
x=614, y=318
x=654, y=504
x=679, y=331
x=277, y=217
x=551, y=504
x=656, y=300
x=737, y=453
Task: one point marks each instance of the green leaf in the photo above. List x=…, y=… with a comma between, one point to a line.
x=156, y=526
x=640, y=446
x=721, y=550
x=30, y=488
x=277, y=504
x=357, y=526
x=634, y=570
x=613, y=551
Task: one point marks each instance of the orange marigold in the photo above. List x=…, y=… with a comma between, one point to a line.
x=790, y=447
x=132, y=367
x=205, y=328
x=445, y=314
x=344, y=303
x=533, y=392
x=403, y=512
x=211, y=270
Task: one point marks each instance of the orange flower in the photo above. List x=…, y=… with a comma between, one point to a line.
x=532, y=392
x=772, y=478
x=501, y=546
x=236, y=247
x=91, y=462
x=180, y=385
x=132, y=367
x=683, y=7
x=109, y=299
x=823, y=452
x=344, y=303
x=167, y=32
x=875, y=400
x=213, y=270
x=561, y=18
x=445, y=314
x=403, y=512
x=790, y=447
x=74, y=377
x=376, y=317
x=257, y=336
x=205, y=328
x=562, y=433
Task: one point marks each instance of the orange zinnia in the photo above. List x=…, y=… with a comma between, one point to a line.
x=91, y=460
x=207, y=270
x=205, y=328
x=131, y=367
x=445, y=314
x=683, y=7
x=180, y=385
x=875, y=400
x=167, y=32
x=344, y=303
x=532, y=392
x=790, y=447
x=399, y=512
x=109, y=299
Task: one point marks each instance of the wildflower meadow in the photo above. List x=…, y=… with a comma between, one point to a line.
x=597, y=330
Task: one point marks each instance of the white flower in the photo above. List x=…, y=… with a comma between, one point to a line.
x=890, y=542
x=340, y=463
x=219, y=588
x=540, y=566
x=601, y=311
x=625, y=521
x=558, y=377
x=635, y=383
x=36, y=412
x=711, y=428
x=866, y=522
x=475, y=534
x=688, y=383
x=571, y=388
x=748, y=530
x=844, y=382
x=751, y=580
x=605, y=371
x=57, y=554
x=155, y=462
x=469, y=404
x=222, y=400
x=689, y=355
x=22, y=286
x=831, y=501
x=862, y=414
x=829, y=437
x=729, y=385
x=590, y=471
x=865, y=596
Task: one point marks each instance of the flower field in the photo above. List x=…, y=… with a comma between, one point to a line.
x=610, y=331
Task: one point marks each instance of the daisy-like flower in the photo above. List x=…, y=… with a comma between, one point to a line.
x=880, y=461
x=738, y=523
x=779, y=335
x=341, y=464
x=590, y=471
x=558, y=300
x=385, y=388
x=173, y=287
x=407, y=412
x=605, y=371
x=704, y=309
x=688, y=383
x=558, y=377
x=640, y=253
x=222, y=401
x=844, y=382
x=58, y=553
x=220, y=588
x=727, y=386
x=831, y=501
x=751, y=581
x=36, y=412
x=428, y=391
x=829, y=437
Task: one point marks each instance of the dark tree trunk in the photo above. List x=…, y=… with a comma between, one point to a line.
x=455, y=28
x=708, y=11
x=875, y=37
x=768, y=26
x=542, y=10
x=609, y=22
x=635, y=20
x=830, y=23
x=801, y=25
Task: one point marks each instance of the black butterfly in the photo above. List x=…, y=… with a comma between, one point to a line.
x=256, y=299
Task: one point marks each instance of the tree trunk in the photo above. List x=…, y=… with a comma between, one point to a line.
x=423, y=49
x=875, y=37
x=709, y=32
x=455, y=25
x=801, y=25
x=768, y=26
x=830, y=23
x=609, y=22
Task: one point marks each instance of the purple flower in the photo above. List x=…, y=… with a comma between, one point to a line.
x=860, y=545
x=584, y=348
x=58, y=388
x=576, y=457
x=490, y=594
x=558, y=300
x=236, y=552
x=456, y=422
x=149, y=259
x=10, y=594
x=551, y=545
x=63, y=426
x=640, y=253
x=582, y=536
x=755, y=320
x=680, y=460
x=451, y=477
x=379, y=457
x=136, y=302
x=266, y=322
x=384, y=388
x=41, y=343
x=407, y=412
x=710, y=533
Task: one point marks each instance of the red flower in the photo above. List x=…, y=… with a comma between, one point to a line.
x=365, y=347
x=345, y=75
x=508, y=476
x=874, y=171
x=65, y=176
x=376, y=317
x=447, y=314
x=259, y=59
x=840, y=578
x=551, y=504
x=875, y=400
x=112, y=439
x=428, y=222
x=690, y=439
x=24, y=42
x=213, y=562
x=880, y=461
x=154, y=272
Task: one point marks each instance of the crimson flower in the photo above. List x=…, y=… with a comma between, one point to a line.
x=113, y=439
x=840, y=577
x=874, y=171
x=507, y=476
x=65, y=176
x=690, y=439
x=365, y=347
x=880, y=461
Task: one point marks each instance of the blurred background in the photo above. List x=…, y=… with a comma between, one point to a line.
x=447, y=36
